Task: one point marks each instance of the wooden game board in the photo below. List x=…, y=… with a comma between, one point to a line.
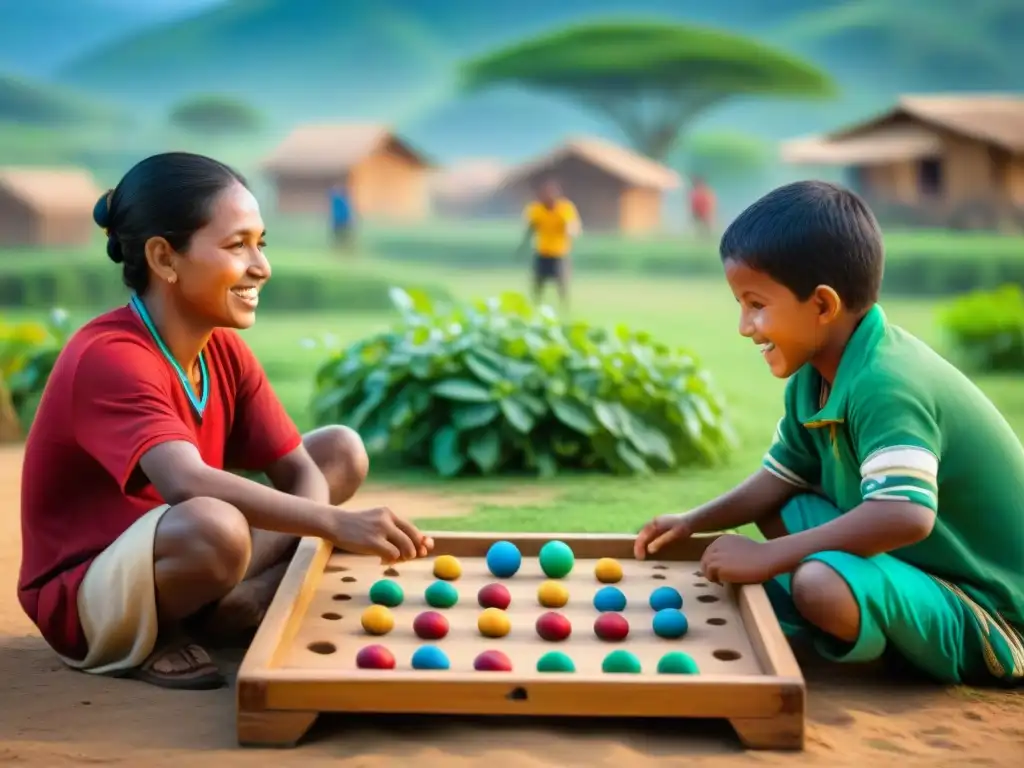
x=302, y=660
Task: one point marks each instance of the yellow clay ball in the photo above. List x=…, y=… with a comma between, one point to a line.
x=447, y=567
x=378, y=620
x=552, y=594
x=608, y=570
x=494, y=622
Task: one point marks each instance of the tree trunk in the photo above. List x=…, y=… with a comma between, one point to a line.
x=10, y=426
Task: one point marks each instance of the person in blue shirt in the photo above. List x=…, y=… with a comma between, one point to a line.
x=342, y=219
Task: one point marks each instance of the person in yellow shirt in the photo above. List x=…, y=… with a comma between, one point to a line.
x=552, y=223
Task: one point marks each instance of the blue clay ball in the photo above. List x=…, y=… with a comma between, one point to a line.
x=665, y=597
x=609, y=599
x=670, y=623
x=429, y=657
x=504, y=559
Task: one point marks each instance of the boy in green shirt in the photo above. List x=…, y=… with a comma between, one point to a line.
x=892, y=498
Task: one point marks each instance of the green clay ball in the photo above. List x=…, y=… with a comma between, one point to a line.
x=621, y=661
x=677, y=663
x=556, y=559
x=441, y=594
x=386, y=592
x=555, y=661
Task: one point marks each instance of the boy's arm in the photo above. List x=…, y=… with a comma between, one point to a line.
x=898, y=442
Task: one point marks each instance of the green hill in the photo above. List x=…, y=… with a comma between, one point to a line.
x=30, y=103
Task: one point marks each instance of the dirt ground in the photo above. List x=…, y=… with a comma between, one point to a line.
x=50, y=716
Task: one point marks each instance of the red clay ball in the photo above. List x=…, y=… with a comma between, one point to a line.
x=494, y=596
x=492, y=661
x=430, y=625
x=375, y=657
x=611, y=626
x=553, y=626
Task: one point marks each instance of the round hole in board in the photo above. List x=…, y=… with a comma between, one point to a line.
x=658, y=576
x=342, y=597
x=324, y=648
x=660, y=567
x=331, y=616
x=698, y=574
x=708, y=599
x=390, y=572
x=726, y=655
x=716, y=622
x=335, y=568
x=701, y=584
x=348, y=579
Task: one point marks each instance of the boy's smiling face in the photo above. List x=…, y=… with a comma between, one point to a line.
x=790, y=332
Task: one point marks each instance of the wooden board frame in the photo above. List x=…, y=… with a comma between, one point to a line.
x=276, y=706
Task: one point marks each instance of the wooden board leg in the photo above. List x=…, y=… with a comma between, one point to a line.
x=776, y=732
x=274, y=729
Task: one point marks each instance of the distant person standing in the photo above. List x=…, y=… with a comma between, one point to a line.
x=702, y=206
x=342, y=219
x=552, y=222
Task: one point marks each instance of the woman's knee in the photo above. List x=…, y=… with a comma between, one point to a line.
x=341, y=456
x=207, y=537
x=824, y=599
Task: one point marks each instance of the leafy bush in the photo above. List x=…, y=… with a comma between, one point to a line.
x=495, y=386
x=28, y=352
x=987, y=328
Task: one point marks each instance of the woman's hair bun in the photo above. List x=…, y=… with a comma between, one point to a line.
x=101, y=211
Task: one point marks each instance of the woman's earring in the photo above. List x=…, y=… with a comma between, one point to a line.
x=172, y=279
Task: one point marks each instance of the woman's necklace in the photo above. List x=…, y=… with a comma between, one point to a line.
x=198, y=404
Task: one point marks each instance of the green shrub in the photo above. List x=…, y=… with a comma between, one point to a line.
x=498, y=387
x=85, y=281
x=987, y=329
x=28, y=352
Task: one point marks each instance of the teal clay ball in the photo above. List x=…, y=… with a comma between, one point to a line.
x=665, y=597
x=621, y=662
x=556, y=559
x=504, y=559
x=441, y=594
x=670, y=623
x=386, y=592
x=677, y=663
x=429, y=657
x=555, y=661
x=609, y=600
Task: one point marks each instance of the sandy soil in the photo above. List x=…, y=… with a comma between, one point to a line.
x=50, y=716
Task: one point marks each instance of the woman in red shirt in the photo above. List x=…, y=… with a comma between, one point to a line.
x=133, y=528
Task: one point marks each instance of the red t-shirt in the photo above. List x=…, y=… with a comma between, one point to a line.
x=111, y=397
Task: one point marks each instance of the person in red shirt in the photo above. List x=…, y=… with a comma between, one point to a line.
x=135, y=534
x=702, y=206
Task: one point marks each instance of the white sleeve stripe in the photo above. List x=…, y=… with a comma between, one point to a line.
x=784, y=473
x=906, y=490
x=900, y=457
x=924, y=477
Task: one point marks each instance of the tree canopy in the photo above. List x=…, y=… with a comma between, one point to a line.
x=650, y=78
x=215, y=114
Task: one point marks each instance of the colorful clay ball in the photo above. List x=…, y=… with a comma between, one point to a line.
x=430, y=657
x=430, y=625
x=553, y=627
x=670, y=623
x=378, y=620
x=386, y=592
x=375, y=657
x=611, y=626
x=492, y=661
x=609, y=599
x=556, y=559
x=504, y=559
x=441, y=594
x=447, y=567
x=493, y=623
x=608, y=570
x=494, y=596
x=665, y=597
x=555, y=661
x=552, y=594
x=677, y=663
x=621, y=662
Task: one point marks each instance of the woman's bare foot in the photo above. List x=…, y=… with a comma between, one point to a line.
x=235, y=618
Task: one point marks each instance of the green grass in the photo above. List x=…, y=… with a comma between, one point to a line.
x=699, y=314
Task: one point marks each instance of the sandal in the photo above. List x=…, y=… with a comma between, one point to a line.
x=183, y=666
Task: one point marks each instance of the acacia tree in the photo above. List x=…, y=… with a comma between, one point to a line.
x=214, y=114
x=650, y=78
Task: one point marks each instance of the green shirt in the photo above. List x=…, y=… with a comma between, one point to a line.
x=902, y=423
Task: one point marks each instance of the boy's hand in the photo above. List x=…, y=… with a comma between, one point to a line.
x=736, y=559
x=378, y=532
x=659, y=532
